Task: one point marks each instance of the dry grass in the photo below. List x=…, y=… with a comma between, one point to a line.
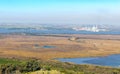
x=21, y=46
x=45, y=72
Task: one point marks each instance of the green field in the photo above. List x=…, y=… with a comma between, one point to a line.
x=9, y=61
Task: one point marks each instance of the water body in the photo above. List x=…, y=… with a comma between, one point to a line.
x=45, y=46
x=51, y=31
x=112, y=60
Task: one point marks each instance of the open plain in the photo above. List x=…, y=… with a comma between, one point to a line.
x=58, y=46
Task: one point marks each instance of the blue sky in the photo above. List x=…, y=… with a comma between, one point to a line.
x=61, y=11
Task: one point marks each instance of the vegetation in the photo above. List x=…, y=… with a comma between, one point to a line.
x=17, y=45
x=45, y=72
x=8, y=61
x=10, y=66
x=79, y=46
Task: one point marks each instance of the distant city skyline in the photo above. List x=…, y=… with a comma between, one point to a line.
x=60, y=11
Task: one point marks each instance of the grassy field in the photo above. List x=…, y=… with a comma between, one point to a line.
x=16, y=52
x=23, y=46
x=45, y=72
x=6, y=61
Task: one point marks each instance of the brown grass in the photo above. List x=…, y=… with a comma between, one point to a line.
x=21, y=46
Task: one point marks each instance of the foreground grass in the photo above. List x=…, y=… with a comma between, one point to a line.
x=52, y=72
x=9, y=61
x=46, y=72
x=14, y=66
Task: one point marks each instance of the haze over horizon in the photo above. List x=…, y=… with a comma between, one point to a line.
x=61, y=11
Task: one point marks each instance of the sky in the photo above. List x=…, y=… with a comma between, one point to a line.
x=60, y=11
